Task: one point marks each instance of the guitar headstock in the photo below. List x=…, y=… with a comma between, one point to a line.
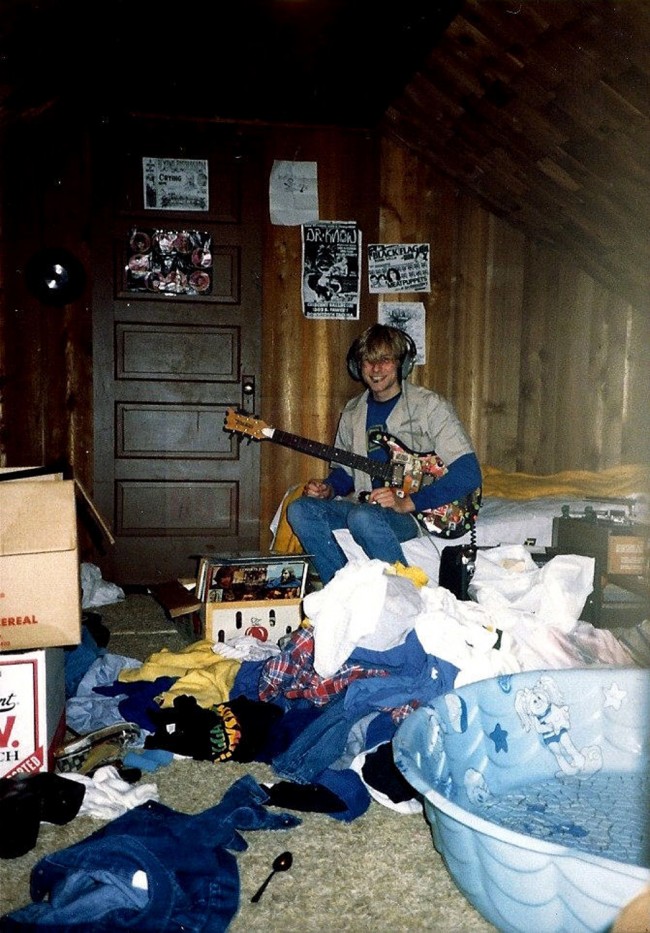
x=240, y=422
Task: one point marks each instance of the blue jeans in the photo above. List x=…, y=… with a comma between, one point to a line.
x=191, y=872
x=378, y=531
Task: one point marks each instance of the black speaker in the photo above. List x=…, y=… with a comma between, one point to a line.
x=55, y=277
x=406, y=363
x=457, y=564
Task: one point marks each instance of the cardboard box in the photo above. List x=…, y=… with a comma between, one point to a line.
x=32, y=710
x=40, y=592
x=626, y=555
x=268, y=620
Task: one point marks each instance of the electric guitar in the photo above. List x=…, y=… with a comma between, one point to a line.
x=405, y=470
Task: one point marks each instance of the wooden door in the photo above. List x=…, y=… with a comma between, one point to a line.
x=167, y=364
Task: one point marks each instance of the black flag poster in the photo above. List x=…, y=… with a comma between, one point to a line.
x=331, y=253
x=398, y=267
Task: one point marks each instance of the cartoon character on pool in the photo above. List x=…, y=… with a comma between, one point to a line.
x=542, y=707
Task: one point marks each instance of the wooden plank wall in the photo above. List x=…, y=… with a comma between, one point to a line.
x=304, y=381
x=548, y=370
x=47, y=384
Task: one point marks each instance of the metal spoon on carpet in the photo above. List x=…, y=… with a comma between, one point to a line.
x=282, y=862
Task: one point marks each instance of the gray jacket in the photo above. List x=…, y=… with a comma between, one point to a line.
x=422, y=420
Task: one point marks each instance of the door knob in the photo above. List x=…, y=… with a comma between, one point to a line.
x=248, y=393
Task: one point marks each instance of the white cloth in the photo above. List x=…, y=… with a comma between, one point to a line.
x=346, y=609
x=107, y=796
x=361, y=607
x=536, y=610
x=538, y=647
x=246, y=648
x=95, y=591
x=465, y=634
x=507, y=577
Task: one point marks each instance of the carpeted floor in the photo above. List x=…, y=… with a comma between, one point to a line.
x=379, y=873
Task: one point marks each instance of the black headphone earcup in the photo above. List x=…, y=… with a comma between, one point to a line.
x=408, y=361
x=353, y=362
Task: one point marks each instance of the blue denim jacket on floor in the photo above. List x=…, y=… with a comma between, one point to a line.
x=191, y=877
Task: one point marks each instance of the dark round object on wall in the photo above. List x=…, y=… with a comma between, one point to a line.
x=55, y=276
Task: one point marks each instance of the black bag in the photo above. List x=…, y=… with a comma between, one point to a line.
x=457, y=564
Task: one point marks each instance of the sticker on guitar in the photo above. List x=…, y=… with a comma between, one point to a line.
x=405, y=470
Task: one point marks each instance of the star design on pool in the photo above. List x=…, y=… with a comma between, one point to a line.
x=500, y=738
x=614, y=696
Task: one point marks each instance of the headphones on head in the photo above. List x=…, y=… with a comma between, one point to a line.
x=407, y=361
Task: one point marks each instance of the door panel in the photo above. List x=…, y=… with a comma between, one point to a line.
x=177, y=352
x=166, y=367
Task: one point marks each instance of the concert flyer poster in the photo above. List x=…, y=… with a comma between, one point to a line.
x=398, y=267
x=331, y=257
x=409, y=316
x=175, y=184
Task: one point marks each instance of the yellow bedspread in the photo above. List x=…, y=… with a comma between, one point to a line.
x=285, y=542
x=616, y=482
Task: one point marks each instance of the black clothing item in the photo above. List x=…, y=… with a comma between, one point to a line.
x=380, y=771
x=308, y=798
x=236, y=730
x=26, y=800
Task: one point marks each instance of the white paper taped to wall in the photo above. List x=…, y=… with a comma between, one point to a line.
x=293, y=193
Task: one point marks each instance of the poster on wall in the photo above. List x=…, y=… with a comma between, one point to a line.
x=169, y=262
x=409, y=316
x=293, y=193
x=331, y=252
x=175, y=184
x=398, y=267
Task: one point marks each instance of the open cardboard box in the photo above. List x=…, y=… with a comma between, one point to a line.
x=40, y=592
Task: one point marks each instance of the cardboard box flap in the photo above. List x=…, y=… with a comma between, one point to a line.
x=87, y=507
x=37, y=517
x=12, y=474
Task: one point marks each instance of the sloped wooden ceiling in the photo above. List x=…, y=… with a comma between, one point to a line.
x=541, y=108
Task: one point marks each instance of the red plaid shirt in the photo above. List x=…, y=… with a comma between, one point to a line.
x=292, y=673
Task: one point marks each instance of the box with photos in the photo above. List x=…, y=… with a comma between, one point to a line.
x=248, y=579
x=260, y=596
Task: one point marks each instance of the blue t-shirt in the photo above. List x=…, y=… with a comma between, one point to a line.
x=376, y=417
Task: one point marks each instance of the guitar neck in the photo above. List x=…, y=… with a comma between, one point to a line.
x=373, y=468
x=405, y=471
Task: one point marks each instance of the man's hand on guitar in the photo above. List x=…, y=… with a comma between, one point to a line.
x=390, y=498
x=317, y=489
